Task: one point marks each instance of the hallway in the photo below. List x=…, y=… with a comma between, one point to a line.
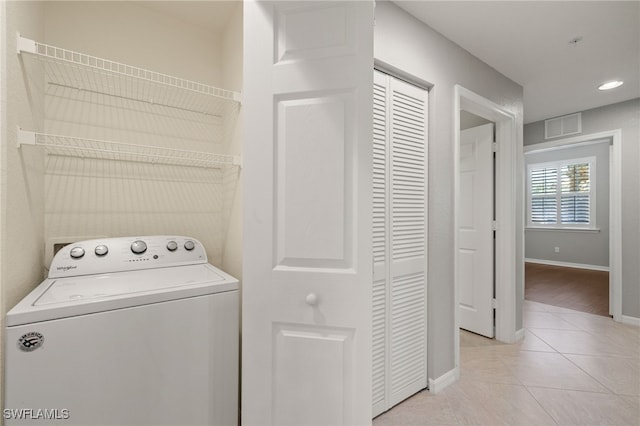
x=572, y=368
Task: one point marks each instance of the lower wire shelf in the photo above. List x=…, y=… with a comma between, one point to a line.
x=119, y=151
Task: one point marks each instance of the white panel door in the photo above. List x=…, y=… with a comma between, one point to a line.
x=399, y=237
x=307, y=267
x=475, y=256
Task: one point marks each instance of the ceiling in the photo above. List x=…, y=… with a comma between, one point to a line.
x=529, y=42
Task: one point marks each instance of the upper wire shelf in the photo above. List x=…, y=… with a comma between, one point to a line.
x=108, y=150
x=85, y=72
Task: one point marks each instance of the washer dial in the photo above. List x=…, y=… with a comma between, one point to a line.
x=138, y=247
x=172, y=246
x=101, y=250
x=189, y=245
x=76, y=252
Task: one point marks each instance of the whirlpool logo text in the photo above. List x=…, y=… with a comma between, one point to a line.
x=66, y=268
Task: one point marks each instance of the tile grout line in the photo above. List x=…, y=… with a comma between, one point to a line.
x=618, y=397
x=556, y=421
x=544, y=341
x=587, y=330
x=611, y=391
x=596, y=336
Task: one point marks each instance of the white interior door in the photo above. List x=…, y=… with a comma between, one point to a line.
x=307, y=267
x=399, y=241
x=476, y=239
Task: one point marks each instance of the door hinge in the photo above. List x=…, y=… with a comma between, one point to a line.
x=494, y=225
x=494, y=146
x=494, y=303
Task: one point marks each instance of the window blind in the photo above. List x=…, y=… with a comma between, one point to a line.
x=561, y=193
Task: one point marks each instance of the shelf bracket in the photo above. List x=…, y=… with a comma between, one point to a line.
x=25, y=45
x=237, y=161
x=25, y=137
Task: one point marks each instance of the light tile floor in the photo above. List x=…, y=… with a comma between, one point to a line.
x=571, y=368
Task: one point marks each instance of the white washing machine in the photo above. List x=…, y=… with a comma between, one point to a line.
x=125, y=331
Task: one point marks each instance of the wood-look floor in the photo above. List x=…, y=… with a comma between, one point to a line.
x=578, y=289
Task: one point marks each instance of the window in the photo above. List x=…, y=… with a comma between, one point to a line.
x=562, y=194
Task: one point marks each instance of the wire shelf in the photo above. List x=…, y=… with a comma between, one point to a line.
x=118, y=151
x=85, y=72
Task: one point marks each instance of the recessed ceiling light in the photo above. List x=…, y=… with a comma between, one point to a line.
x=610, y=85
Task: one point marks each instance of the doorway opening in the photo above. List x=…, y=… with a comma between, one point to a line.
x=508, y=252
x=609, y=143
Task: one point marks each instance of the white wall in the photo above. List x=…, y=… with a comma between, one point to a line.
x=624, y=116
x=232, y=79
x=21, y=178
x=469, y=120
x=406, y=44
x=87, y=198
x=131, y=33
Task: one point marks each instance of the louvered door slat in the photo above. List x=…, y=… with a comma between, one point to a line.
x=408, y=356
x=379, y=341
x=380, y=247
x=379, y=172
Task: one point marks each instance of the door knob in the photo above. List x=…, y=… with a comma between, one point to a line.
x=311, y=299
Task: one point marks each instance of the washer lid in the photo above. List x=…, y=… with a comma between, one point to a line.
x=79, y=289
x=65, y=297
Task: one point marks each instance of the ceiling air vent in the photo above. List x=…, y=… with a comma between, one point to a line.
x=563, y=126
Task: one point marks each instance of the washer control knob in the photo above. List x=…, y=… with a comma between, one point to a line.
x=138, y=247
x=77, y=252
x=189, y=245
x=101, y=250
x=172, y=246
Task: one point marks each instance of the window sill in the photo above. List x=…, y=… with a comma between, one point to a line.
x=550, y=228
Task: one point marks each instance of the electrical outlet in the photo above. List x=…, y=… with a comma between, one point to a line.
x=556, y=249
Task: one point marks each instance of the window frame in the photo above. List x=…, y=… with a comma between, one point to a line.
x=558, y=194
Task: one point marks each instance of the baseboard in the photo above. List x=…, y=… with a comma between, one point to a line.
x=568, y=264
x=519, y=335
x=442, y=382
x=625, y=319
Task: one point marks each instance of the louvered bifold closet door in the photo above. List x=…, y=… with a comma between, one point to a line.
x=408, y=337
x=399, y=235
x=380, y=243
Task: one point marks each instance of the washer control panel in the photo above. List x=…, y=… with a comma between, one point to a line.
x=126, y=254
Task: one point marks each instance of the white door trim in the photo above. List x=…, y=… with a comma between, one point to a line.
x=615, y=203
x=509, y=160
